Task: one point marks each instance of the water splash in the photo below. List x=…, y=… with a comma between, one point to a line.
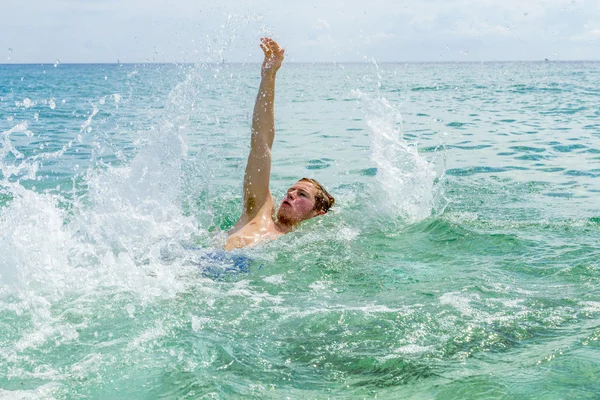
x=140, y=202
x=406, y=186
x=117, y=228
x=8, y=150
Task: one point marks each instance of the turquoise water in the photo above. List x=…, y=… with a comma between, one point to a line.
x=460, y=261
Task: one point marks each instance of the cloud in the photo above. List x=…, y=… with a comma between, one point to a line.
x=378, y=37
x=589, y=36
x=321, y=24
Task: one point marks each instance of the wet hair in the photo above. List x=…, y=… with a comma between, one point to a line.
x=323, y=200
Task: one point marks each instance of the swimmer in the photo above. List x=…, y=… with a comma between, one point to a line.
x=304, y=200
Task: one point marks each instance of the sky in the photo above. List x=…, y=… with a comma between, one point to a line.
x=129, y=31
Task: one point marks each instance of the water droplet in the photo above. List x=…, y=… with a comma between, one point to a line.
x=10, y=118
x=56, y=63
x=36, y=116
x=9, y=50
x=52, y=103
x=130, y=308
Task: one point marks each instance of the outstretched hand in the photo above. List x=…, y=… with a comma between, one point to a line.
x=273, y=56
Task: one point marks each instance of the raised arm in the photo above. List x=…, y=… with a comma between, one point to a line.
x=258, y=169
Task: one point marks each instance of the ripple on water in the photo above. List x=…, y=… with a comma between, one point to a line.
x=532, y=157
x=474, y=147
x=568, y=148
x=592, y=174
x=319, y=164
x=528, y=149
x=481, y=170
x=457, y=125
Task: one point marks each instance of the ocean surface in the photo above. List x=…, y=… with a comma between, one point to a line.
x=461, y=260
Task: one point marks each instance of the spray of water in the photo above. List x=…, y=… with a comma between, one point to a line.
x=127, y=217
x=405, y=181
x=119, y=243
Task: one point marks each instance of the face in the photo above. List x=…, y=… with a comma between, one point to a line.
x=298, y=204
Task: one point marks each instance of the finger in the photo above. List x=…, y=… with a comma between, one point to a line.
x=265, y=50
x=269, y=41
x=275, y=46
x=264, y=42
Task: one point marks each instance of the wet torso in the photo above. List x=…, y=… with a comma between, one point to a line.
x=252, y=230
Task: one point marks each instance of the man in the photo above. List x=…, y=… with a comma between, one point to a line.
x=305, y=200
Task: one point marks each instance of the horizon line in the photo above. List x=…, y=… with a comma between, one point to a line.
x=298, y=62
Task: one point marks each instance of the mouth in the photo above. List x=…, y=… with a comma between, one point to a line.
x=286, y=203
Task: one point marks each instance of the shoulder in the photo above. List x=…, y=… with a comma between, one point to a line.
x=251, y=229
x=256, y=216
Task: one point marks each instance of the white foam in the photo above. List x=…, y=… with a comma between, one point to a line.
x=275, y=279
x=319, y=286
x=199, y=322
x=590, y=306
x=458, y=301
x=46, y=392
x=147, y=336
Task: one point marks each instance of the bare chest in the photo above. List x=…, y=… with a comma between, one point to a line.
x=256, y=230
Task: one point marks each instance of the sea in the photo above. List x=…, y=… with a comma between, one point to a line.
x=460, y=261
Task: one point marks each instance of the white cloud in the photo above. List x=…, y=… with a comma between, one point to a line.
x=378, y=37
x=321, y=24
x=591, y=34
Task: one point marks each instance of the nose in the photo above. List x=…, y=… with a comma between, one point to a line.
x=291, y=194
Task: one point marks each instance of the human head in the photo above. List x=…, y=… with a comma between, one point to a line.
x=304, y=200
x=323, y=200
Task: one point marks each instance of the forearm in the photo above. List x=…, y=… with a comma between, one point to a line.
x=263, y=119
